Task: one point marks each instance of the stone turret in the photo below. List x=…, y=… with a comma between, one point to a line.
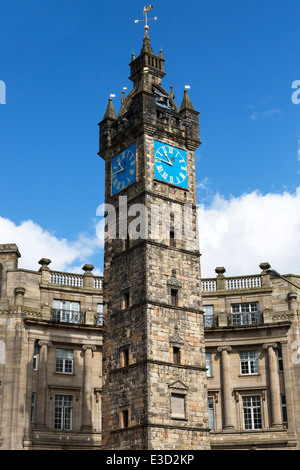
x=9, y=255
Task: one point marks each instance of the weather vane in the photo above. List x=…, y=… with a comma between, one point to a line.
x=146, y=27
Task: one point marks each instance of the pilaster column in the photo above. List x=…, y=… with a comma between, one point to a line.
x=276, y=419
x=226, y=389
x=87, y=387
x=42, y=384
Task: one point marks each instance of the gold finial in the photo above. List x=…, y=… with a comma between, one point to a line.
x=146, y=27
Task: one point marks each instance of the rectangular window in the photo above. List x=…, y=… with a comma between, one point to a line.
x=279, y=359
x=64, y=361
x=211, y=416
x=172, y=238
x=176, y=355
x=178, y=405
x=66, y=312
x=125, y=418
x=245, y=314
x=249, y=362
x=208, y=364
x=208, y=316
x=35, y=356
x=99, y=314
x=174, y=297
x=125, y=357
x=63, y=412
x=283, y=408
x=252, y=412
x=126, y=300
x=33, y=408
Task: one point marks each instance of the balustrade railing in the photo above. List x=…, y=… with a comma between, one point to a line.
x=248, y=282
x=72, y=280
x=232, y=283
x=66, y=279
x=209, y=285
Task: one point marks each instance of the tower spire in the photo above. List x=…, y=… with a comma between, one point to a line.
x=110, y=110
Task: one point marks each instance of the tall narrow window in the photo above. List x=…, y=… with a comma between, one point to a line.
x=63, y=412
x=172, y=238
x=208, y=316
x=125, y=418
x=211, y=416
x=35, y=356
x=174, y=297
x=279, y=359
x=283, y=408
x=176, y=355
x=178, y=406
x=99, y=314
x=252, y=412
x=208, y=364
x=125, y=357
x=33, y=408
x=126, y=300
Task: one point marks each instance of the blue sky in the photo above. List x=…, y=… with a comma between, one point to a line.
x=60, y=60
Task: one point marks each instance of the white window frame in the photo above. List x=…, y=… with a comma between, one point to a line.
x=99, y=314
x=208, y=364
x=208, y=316
x=249, y=363
x=245, y=313
x=252, y=412
x=66, y=311
x=64, y=359
x=36, y=351
x=63, y=412
x=211, y=413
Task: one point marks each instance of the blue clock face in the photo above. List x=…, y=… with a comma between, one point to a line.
x=170, y=164
x=123, y=170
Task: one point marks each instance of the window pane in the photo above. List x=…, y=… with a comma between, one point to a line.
x=208, y=364
x=178, y=405
x=63, y=412
x=211, y=413
x=252, y=412
x=208, y=309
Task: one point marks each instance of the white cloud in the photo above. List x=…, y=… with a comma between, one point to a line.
x=264, y=114
x=35, y=243
x=242, y=232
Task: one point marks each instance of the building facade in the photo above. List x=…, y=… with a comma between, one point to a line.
x=252, y=352
x=51, y=343
x=50, y=356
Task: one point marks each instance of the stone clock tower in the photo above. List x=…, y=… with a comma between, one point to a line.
x=154, y=392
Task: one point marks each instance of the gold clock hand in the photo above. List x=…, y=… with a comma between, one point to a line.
x=165, y=161
x=166, y=155
x=113, y=174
